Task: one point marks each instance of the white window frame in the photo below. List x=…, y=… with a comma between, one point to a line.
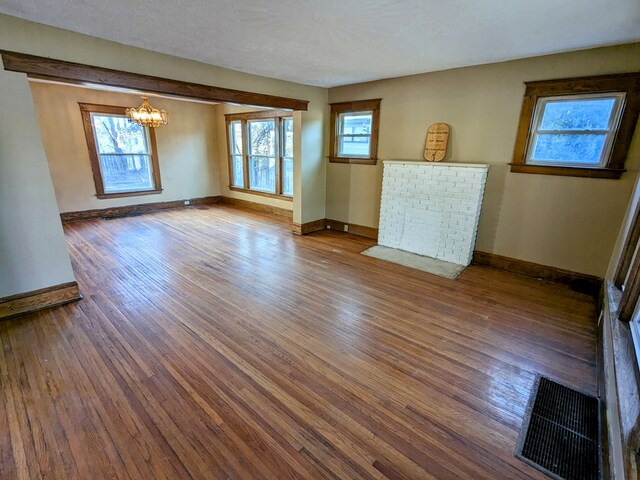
x=283, y=157
x=610, y=132
x=148, y=154
x=274, y=155
x=340, y=133
x=232, y=154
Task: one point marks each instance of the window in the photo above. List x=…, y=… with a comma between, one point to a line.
x=237, y=162
x=577, y=127
x=354, y=132
x=122, y=154
x=261, y=152
x=574, y=130
x=627, y=274
x=287, y=156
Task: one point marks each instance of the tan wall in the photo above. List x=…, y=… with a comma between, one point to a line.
x=32, y=247
x=33, y=252
x=186, y=147
x=223, y=161
x=28, y=37
x=565, y=222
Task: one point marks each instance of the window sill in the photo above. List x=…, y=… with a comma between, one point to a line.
x=610, y=173
x=361, y=161
x=262, y=194
x=104, y=196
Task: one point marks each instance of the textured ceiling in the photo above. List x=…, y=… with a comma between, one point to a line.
x=336, y=42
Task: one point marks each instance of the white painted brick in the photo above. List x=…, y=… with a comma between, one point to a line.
x=431, y=209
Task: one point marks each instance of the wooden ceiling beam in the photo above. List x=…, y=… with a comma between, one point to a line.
x=77, y=73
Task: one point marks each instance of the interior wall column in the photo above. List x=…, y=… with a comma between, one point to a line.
x=33, y=250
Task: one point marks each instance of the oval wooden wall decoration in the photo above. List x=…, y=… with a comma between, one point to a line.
x=435, y=147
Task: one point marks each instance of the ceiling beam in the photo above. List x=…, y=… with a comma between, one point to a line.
x=77, y=73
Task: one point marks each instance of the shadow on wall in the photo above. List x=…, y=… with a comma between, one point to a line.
x=491, y=208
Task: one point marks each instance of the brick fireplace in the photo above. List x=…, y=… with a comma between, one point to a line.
x=432, y=209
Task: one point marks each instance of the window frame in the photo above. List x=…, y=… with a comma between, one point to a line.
x=627, y=274
x=283, y=151
x=612, y=166
x=278, y=117
x=359, y=106
x=86, y=110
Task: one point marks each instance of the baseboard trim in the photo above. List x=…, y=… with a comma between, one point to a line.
x=35, y=300
x=303, y=229
x=258, y=207
x=353, y=228
x=135, y=209
x=580, y=282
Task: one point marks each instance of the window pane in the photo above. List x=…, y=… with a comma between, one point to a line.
x=262, y=135
x=116, y=134
x=262, y=174
x=238, y=171
x=287, y=137
x=126, y=173
x=235, y=137
x=582, y=114
x=287, y=176
x=354, y=146
x=358, y=123
x=576, y=148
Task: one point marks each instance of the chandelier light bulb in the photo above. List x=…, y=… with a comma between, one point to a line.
x=147, y=116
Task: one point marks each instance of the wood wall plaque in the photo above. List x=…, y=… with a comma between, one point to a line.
x=435, y=147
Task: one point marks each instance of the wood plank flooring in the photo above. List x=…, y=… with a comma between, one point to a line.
x=211, y=343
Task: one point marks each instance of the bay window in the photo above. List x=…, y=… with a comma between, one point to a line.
x=261, y=152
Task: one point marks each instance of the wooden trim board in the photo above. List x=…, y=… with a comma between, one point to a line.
x=78, y=73
x=372, y=105
x=135, y=209
x=577, y=281
x=628, y=83
x=261, y=194
x=609, y=173
x=303, y=229
x=258, y=207
x=353, y=228
x=39, y=299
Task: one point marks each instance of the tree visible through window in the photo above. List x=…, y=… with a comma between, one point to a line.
x=125, y=159
x=262, y=155
x=575, y=130
x=578, y=126
x=122, y=153
x=287, y=156
x=261, y=152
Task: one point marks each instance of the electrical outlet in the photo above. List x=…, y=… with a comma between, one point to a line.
x=187, y=202
x=328, y=227
x=346, y=228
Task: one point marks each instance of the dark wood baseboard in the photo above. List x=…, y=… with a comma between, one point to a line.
x=39, y=299
x=258, y=207
x=353, y=228
x=580, y=282
x=135, y=209
x=303, y=229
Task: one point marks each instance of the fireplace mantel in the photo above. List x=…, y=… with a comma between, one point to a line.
x=438, y=164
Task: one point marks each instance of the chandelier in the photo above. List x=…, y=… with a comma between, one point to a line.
x=147, y=116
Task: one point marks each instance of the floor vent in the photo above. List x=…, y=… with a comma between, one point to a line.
x=560, y=434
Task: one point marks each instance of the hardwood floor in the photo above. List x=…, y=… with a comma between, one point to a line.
x=212, y=343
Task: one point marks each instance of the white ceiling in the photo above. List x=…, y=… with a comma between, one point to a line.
x=336, y=42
